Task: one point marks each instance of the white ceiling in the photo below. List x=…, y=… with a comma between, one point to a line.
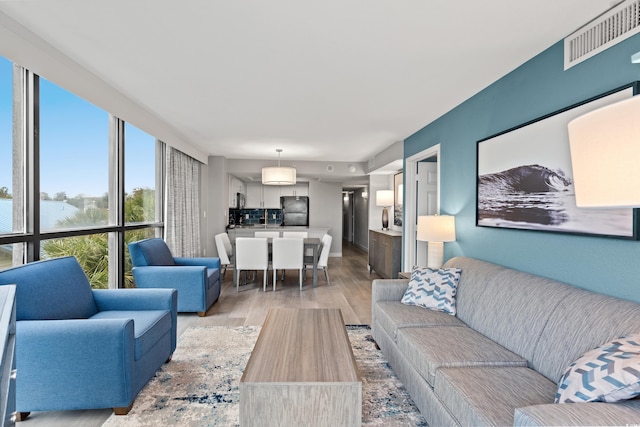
x=330, y=80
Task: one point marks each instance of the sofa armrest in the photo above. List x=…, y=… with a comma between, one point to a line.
x=76, y=353
x=211, y=262
x=135, y=299
x=388, y=289
x=579, y=414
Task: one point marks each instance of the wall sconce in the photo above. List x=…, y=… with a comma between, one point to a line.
x=384, y=198
x=436, y=229
x=365, y=194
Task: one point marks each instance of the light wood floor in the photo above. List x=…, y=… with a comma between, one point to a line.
x=350, y=291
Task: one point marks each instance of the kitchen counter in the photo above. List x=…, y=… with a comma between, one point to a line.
x=248, y=230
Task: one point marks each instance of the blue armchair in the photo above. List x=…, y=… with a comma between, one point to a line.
x=196, y=279
x=83, y=348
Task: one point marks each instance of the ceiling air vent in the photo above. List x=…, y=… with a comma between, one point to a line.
x=620, y=22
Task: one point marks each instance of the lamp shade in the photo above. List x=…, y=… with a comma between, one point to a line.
x=384, y=198
x=605, y=150
x=278, y=175
x=436, y=228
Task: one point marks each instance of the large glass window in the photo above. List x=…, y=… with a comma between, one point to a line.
x=6, y=168
x=77, y=176
x=139, y=176
x=74, y=161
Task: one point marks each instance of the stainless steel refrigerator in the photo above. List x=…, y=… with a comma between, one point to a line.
x=295, y=210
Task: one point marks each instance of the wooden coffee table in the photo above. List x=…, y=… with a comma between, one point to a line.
x=301, y=372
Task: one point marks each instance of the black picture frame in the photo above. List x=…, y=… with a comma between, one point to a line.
x=524, y=178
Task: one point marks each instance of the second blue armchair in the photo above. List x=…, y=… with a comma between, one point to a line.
x=196, y=279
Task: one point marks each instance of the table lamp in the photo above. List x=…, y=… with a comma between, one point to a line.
x=384, y=198
x=605, y=150
x=435, y=230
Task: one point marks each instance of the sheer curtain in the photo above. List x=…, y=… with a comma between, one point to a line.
x=182, y=213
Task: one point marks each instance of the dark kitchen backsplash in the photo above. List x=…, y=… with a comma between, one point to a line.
x=254, y=216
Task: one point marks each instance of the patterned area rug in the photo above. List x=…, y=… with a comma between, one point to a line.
x=200, y=386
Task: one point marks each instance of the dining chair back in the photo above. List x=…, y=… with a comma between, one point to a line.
x=288, y=253
x=225, y=251
x=303, y=234
x=267, y=234
x=252, y=253
x=323, y=259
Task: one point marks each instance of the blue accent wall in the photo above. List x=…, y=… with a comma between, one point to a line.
x=538, y=87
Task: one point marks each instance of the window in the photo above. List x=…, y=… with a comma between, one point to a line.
x=77, y=209
x=139, y=176
x=74, y=161
x=6, y=168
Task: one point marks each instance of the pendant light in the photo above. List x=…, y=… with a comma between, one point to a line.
x=280, y=175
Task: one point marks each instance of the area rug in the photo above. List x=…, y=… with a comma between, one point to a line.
x=200, y=386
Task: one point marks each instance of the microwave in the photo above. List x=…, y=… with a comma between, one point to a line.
x=240, y=200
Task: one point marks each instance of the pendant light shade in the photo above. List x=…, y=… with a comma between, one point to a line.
x=278, y=175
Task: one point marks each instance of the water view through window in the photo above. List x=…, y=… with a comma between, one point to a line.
x=77, y=178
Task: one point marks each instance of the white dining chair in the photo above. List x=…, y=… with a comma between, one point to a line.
x=323, y=259
x=287, y=253
x=252, y=253
x=267, y=234
x=225, y=251
x=303, y=234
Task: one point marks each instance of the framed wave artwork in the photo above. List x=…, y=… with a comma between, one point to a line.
x=525, y=180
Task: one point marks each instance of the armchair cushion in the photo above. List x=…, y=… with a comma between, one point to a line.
x=148, y=326
x=41, y=294
x=151, y=252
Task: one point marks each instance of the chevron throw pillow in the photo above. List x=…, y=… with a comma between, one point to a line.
x=609, y=373
x=434, y=289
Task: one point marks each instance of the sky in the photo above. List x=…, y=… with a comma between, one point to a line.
x=74, y=143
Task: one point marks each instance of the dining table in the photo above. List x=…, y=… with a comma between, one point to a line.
x=313, y=243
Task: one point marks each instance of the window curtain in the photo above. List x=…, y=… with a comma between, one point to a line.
x=182, y=212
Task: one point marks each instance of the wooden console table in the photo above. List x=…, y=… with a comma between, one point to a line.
x=301, y=372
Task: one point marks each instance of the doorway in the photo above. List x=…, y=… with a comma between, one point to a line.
x=422, y=198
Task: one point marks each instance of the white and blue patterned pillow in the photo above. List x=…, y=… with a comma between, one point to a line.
x=609, y=373
x=434, y=289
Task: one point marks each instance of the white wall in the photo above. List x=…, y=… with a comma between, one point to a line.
x=325, y=209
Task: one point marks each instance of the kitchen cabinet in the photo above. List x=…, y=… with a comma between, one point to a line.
x=299, y=189
x=385, y=249
x=235, y=186
x=263, y=196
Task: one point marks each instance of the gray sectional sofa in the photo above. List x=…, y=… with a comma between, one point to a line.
x=498, y=361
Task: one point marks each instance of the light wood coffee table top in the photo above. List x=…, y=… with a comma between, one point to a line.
x=301, y=372
x=302, y=345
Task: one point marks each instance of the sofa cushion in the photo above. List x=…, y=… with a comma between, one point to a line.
x=584, y=414
x=609, y=373
x=434, y=289
x=148, y=326
x=429, y=349
x=593, y=318
x=393, y=315
x=489, y=395
x=505, y=305
x=53, y=289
